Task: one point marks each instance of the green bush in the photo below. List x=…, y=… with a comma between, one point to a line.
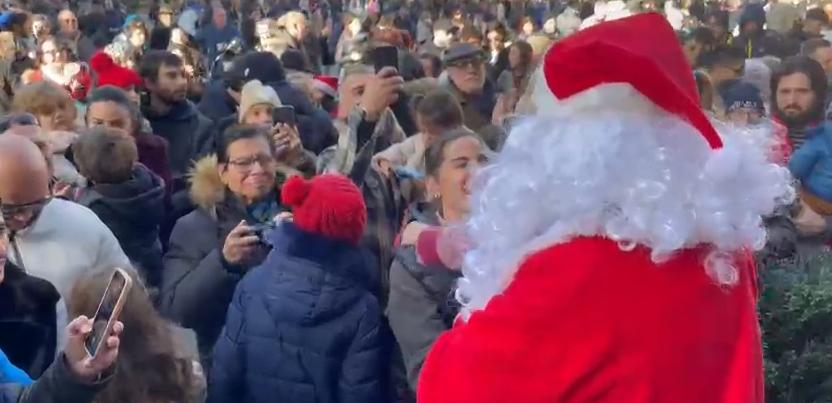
x=796, y=319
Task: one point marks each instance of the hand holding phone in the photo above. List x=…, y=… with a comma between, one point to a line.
x=240, y=243
x=385, y=56
x=284, y=114
x=109, y=309
x=381, y=92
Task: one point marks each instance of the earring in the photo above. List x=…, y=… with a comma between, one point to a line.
x=436, y=196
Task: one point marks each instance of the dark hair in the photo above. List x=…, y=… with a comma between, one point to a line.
x=810, y=46
x=705, y=89
x=526, y=54
x=526, y=20
x=720, y=16
x=239, y=132
x=817, y=14
x=470, y=32
x=721, y=56
x=153, y=60
x=435, y=154
x=147, y=368
x=440, y=109
x=704, y=36
x=159, y=38
x=105, y=155
x=109, y=93
x=435, y=61
x=812, y=70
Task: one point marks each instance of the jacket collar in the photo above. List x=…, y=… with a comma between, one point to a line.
x=332, y=255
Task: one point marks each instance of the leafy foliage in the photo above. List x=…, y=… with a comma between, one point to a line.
x=796, y=319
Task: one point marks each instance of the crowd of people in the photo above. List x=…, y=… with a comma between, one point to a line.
x=276, y=176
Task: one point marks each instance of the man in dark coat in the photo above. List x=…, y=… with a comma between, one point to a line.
x=305, y=326
x=189, y=134
x=754, y=40
x=316, y=129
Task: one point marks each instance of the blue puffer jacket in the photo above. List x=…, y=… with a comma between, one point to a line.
x=811, y=164
x=303, y=327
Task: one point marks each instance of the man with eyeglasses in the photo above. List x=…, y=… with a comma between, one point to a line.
x=50, y=238
x=466, y=79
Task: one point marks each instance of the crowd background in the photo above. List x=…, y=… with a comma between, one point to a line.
x=163, y=153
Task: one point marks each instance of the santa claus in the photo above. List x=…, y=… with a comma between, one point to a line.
x=613, y=239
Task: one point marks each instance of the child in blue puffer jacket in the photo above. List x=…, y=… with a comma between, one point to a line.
x=811, y=164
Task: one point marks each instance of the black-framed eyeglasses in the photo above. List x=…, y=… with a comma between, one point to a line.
x=247, y=164
x=22, y=215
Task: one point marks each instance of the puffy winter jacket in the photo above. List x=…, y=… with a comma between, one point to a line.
x=304, y=327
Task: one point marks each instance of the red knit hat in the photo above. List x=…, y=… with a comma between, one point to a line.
x=641, y=51
x=109, y=73
x=329, y=205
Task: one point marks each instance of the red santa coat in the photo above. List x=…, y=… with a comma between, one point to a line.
x=586, y=322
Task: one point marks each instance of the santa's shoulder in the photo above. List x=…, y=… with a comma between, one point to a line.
x=585, y=265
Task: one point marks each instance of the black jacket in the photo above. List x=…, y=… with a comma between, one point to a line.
x=216, y=103
x=57, y=385
x=316, y=129
x=133, y=211
x=310, y=308
x=28, y=320
x=189, y=134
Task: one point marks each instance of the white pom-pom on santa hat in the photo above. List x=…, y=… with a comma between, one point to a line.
x=619, y=148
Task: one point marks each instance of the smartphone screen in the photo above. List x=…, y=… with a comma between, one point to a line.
x=284, y=114
x=108, y=310
x=385, y=56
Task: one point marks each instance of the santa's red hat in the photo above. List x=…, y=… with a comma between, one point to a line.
x=326, y=84
x=329, y=205
x=642, y=52
x=110, y=73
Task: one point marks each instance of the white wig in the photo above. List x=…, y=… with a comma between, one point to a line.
x=609, y=163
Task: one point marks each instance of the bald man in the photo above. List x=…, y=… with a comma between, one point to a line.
x=50, y=238
x=82, y=46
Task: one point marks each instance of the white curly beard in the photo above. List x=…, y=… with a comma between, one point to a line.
x=627, y=171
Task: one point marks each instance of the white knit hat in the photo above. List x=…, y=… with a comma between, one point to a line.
x=255, y=93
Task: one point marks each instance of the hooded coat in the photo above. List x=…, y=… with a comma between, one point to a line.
x=28, y=321
x=317, y=131
x=133, y=210
x=763, y=42
x=197, y=284
x=303, y=327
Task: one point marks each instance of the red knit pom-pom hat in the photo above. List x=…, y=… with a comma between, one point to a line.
x=329, y=205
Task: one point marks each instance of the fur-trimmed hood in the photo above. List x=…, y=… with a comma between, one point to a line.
x=206, y=187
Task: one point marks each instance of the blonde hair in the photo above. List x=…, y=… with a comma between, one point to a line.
x=41, y=98
x=292, y=17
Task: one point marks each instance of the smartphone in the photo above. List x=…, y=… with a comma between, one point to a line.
x=284, y=114
x=263, y=230
x=108, y=310
x=385, y=56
